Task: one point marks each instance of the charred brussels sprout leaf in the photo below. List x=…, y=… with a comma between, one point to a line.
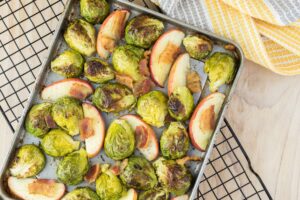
x=84, y=193
x=173, y=177
x=152, y=107
x=94, y=11
x=154, y=194
x=98, y=71
x=139, y=174
x=109, y=186
x=143, y=31
x=126, y=61
x=220, y=68
x=119, y=142
x=174, y=142
x=38, y=119
x=81, y=36
x=58, y=143
x=198, y=46
x=181, y=103
x=28, y=162
x=73, y=167
x=113, y=97
x=68, y=64
x=67, y=112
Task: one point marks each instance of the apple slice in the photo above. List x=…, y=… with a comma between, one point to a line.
x=163, y=55
x=131, y=195
x=73, y=87
x=94, y=142
x=93, y=173
x=202, y=123
x=146, y=138
x=182, y=197
x=36, y=189
x=111, y=31
x=179, y=72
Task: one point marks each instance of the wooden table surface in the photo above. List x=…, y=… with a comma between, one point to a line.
x=265, y=114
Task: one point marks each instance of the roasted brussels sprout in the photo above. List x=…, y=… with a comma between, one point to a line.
x=29, y=161
x=198, y=46
x=126, y=60
x=58, y=143
x=113, y=97
x=109, y=186
x=152, y=107
x=181, y=103
x=38, y=120
x=143, y=31
x=139, y=174
x=94, y=11
x=220, y=68
x=84, y=193
x=72, y=168
x=67, y=112
x=174, y=142
x=81, y=36
x=119, y=141
x=68, y=64
x=98, y=71
x=154, y=194
x=173, y=177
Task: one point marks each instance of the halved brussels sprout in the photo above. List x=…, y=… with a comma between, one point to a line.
x=174, y=142
x=181, y=103
x=109, y=186
x=126, y=60
x=38, y=118
x=67, y=112
x=58, y=143
x=173, y=177
x=94, y=11
x=152, y=107
x=68, y=64
x=28, y=162
x=198, y=46
x=98, y=71
x=81, y=36
x=72, y=168
x=139, y=174
x=83, y=193
x=113, y=97
x=154, y=194
x=143, y=31
x=220, y=68
x=119, y=141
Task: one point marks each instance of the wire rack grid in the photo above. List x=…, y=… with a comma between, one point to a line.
x=26, y=28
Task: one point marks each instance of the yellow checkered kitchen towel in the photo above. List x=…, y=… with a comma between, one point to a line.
x=267, y=30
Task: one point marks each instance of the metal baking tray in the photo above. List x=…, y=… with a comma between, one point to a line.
x=46, y=77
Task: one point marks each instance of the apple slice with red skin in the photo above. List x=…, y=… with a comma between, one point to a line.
x=93, y=173
x=182, y=197
x=147, y=142
x=73, y=87
x=94, y=142
x=202, y=122
x=131, y=195
x=163, y=54
x=178, y=72
x=36, y=189
x=111, y=31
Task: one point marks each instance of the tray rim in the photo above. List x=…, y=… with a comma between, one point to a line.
x=52, y=47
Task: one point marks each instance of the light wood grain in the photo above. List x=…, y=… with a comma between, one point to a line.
x=265, y=114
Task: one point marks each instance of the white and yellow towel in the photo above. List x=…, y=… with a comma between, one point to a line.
x=267, y=30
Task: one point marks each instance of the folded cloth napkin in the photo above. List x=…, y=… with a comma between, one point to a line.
x=267, y=30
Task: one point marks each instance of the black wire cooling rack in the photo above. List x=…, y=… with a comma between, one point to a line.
x=26, y=28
